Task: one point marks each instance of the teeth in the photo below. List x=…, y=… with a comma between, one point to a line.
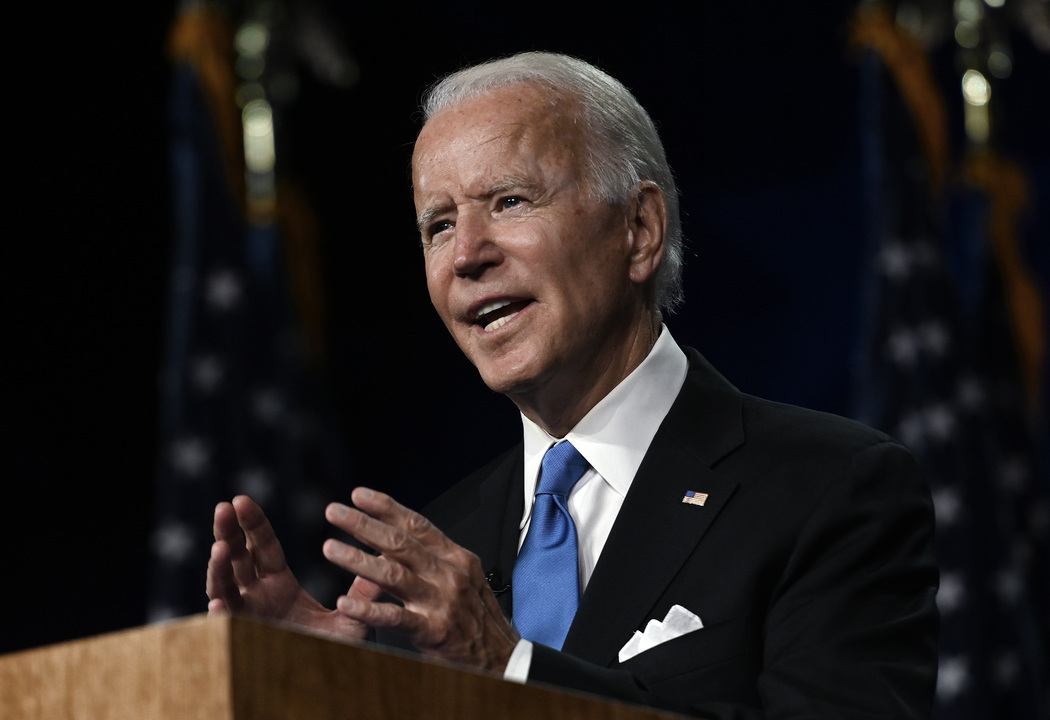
x=499, y=322
x=494, y=305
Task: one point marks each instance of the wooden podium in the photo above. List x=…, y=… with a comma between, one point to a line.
x=232, y=668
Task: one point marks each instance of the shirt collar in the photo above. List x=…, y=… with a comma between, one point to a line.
x=615, y=435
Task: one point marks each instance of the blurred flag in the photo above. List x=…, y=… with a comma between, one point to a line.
x=942, y=373
x=243, y=409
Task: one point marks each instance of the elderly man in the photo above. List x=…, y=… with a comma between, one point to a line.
x=658, y=537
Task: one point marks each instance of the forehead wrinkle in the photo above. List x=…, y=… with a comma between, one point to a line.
x=523, y=139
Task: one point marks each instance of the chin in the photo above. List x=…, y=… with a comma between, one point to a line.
x=502, y=383
x=506, y=380
x=515, y=365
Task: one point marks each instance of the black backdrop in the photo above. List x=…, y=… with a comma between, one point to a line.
x=758, y=106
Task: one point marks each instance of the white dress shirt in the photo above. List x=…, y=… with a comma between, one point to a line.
x=613, y=437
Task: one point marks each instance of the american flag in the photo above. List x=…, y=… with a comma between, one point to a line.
x=243, y=407
x=694, y=498
x=940, y=373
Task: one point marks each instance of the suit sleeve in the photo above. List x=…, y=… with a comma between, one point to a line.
x=850, y=624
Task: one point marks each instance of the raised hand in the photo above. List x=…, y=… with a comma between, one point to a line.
x=449, y=610
x=248, y=574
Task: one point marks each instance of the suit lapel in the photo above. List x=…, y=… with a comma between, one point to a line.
x=655, y=532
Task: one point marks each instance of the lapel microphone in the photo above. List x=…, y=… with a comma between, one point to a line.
x=495, y=580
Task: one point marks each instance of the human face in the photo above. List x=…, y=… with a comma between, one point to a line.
x=531, y=275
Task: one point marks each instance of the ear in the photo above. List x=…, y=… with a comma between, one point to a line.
x=647, y=223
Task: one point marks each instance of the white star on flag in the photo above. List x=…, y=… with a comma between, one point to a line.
x=935, y=338
x=939, y=422
x=953, y=675
x=952, y=592
x=902, y=345
x=190, y=456
x=896, y=261
x=947, y=506
x=223, y=290
x=173, y=542
x=206, y=373
x=257, y=483
x=267, y=406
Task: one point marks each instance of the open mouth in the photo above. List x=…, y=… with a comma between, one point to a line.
x=497, y=313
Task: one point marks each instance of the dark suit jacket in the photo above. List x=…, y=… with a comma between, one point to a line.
x=810, y=565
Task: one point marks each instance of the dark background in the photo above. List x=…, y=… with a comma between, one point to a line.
x=758, y=106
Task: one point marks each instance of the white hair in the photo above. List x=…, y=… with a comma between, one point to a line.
x=622, y=146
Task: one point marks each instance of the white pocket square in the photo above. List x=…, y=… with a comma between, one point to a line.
x=678, y=622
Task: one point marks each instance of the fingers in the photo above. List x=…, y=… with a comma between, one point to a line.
x=364, y=588
x=387, y=526
x=221, y=585
x=394, y=577
x=225, y=523
x=261, y=541
x=405, y=567
x=381, y=615
x=251, y=547
x=447, y=607
x=262, y=545
x=450, y=613
x=383, y=507
x=416, y=563
x=412, y=551
x=228, y=532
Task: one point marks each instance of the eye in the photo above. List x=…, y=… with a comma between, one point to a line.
x=436, y=229
x=511, y=201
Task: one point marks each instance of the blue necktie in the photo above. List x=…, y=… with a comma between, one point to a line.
x=546, y=582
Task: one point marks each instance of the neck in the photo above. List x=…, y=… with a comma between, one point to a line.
x=558, y=404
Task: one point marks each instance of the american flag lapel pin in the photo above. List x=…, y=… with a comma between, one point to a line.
x=694, y=498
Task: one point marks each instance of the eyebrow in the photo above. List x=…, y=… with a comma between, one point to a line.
x=512, y=183
x=426, y=216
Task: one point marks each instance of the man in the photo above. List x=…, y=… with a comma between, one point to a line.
x=788, y=551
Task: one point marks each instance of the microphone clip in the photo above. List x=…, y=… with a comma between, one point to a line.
x=495, y=581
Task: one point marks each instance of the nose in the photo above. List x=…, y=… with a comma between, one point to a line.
x=476, y=246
